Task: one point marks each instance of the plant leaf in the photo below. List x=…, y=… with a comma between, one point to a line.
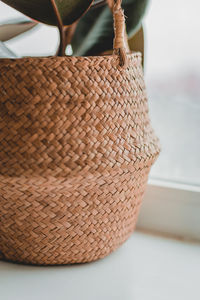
x=42, y=10
x=13, y=28
x=94, y=33
x=5, y=52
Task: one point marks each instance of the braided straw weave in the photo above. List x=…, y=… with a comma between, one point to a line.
x=76, y=147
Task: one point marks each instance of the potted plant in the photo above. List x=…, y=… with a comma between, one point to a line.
x=84, y=40
x=76, y=143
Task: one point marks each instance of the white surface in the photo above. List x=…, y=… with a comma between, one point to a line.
x=171, y=208
x=144, y=268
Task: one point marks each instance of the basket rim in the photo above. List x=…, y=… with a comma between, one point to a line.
x=133, y=54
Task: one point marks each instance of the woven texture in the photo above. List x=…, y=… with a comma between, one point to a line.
x=76, y=147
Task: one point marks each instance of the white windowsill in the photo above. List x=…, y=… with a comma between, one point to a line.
x=145, y=268
x=171, y=208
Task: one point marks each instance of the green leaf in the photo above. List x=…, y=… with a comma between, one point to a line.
x=42, y=10
x=12, y=28
x=94, y=33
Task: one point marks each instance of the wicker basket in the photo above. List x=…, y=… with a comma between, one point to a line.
x=76, y=147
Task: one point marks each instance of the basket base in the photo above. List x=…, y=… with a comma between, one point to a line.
x=48, y=221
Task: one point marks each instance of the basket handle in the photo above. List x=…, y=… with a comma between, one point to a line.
x=120, y=43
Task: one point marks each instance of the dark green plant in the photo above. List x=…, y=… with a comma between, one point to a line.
x=85, y=24
x=43, y=10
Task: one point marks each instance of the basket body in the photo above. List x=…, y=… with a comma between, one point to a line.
x=76, y=147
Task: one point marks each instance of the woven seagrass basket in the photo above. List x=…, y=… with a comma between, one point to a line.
x=76, y=147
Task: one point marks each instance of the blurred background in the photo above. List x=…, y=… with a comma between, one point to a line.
x=172, y=71
x=173, y=82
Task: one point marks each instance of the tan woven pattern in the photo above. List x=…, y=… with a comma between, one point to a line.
x=76, y=147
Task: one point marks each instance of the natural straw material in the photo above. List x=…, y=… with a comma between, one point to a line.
x=76, y=147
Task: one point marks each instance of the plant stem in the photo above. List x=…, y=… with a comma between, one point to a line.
x=61, y=49
x=66, y=33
